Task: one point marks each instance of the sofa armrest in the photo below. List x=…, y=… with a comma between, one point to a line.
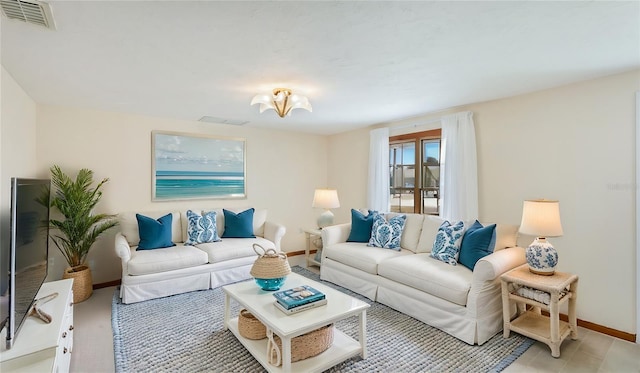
x=123, y=250
x=334, y=234
x=274, y=233
x=492, y=266
x=485, y=293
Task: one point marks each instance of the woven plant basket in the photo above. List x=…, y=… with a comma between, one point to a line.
x=82, y=282
x=302, y=347
x=270, y=264
x=250, y=327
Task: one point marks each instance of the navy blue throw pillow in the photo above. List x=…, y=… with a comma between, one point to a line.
x=360, y=226
x=478, y=242
x=238, y=225
x=154, y=234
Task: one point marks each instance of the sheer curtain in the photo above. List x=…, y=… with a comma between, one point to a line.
x=378, y=188
x=459, y=179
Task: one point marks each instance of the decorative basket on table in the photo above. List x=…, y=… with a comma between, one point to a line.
x=302, y=347
x=270, y=269
x=250, y=327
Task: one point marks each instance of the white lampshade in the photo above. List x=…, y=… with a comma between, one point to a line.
x=541, y=218
x=326, y=199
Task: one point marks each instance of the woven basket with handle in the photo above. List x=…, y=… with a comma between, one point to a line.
x=302, y=347
x=250, y=327
x=270, y=264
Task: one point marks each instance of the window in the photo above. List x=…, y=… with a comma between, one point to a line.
x=415, y=189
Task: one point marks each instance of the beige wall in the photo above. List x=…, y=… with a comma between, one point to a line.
x=17, y=134
x=574, y=143
x=17, y=145
x=283, y=169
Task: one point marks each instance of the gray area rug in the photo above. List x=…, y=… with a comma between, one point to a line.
x=183, y=333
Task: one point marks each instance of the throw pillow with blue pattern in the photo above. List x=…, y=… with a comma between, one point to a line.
x=201, y=228
x=447, y=244
x=387, y=234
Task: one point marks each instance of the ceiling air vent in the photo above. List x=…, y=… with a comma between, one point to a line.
x=234, y=122
x=34, y=12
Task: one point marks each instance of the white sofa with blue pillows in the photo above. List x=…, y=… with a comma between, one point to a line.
x=170, y=252
x=431, y=286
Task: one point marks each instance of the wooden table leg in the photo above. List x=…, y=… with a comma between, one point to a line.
x=554, y=316
x=227, y=311
x=363, y=333
x=573, y=321
x=506, y=310
x=286, y=354
x=307, y=248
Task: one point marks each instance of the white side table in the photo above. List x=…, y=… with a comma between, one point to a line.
x=312, y=238
x=561, y=288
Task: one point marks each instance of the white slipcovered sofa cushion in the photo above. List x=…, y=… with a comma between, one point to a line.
x=365, y=258
x=428, y=232
x=144, y=262
x=411, y=231
x=430, y=275
x=233, y=248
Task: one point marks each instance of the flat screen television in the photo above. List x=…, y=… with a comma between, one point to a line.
x=25, y=254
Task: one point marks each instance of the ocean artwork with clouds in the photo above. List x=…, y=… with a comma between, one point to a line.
x=193, y=166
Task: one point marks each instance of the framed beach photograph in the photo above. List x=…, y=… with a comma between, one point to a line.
x=194, y=166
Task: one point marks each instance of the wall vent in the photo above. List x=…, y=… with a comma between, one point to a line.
x=234, y=122
x=34, y=12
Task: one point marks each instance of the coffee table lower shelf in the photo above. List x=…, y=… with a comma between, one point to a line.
x=343, y=348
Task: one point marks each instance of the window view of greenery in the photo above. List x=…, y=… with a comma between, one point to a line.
x=415, y=189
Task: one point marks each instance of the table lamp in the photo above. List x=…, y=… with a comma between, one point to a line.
x=326, y=199
x=541, y=218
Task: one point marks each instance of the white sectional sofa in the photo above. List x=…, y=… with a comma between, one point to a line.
x=148, y=274
x=464, y=303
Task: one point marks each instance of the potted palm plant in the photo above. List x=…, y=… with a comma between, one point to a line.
x=76, y=233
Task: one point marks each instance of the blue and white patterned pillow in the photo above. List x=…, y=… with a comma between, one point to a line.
x=447, y=244
x=386, y=234
x=201, y=229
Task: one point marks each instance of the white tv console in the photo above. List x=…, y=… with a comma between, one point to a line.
x=41, y=347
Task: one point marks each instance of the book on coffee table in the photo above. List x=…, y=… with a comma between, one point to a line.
x=298, y=296
x=303, y=307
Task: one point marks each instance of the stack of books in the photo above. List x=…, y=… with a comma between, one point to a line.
x=299, y=299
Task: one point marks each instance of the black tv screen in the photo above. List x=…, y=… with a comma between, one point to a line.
x=25, y=258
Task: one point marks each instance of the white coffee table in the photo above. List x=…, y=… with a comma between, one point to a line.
x=260, y=303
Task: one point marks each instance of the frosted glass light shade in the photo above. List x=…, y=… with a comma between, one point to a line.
x=282, y=100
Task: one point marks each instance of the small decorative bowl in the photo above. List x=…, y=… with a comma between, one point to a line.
x=270, y=284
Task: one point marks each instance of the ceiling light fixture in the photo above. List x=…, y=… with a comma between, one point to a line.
x=282, y=101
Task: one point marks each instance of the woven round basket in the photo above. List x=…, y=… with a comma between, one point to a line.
x=250, y=327
x=270, y=264
x=303, y=346
x=82, y=282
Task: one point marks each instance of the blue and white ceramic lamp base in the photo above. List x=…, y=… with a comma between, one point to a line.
x=542, y=257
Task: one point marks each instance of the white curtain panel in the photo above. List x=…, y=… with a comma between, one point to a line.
x=459, y=168
x=378, y=188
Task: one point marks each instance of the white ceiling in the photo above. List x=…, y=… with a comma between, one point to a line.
x=360, y=63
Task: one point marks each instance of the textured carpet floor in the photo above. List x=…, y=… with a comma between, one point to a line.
x=183, y=333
